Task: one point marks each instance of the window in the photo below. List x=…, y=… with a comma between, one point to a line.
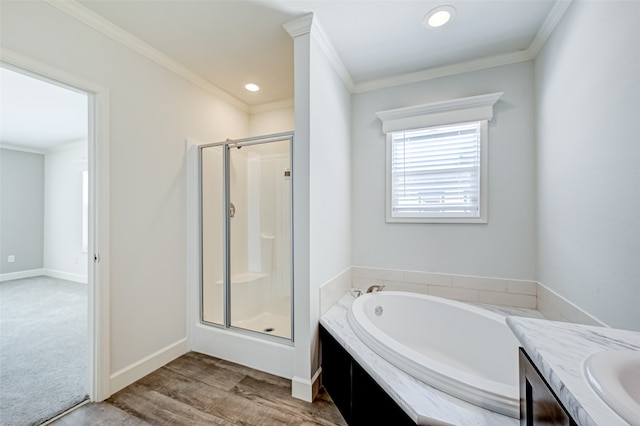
x=437, y=161
x=436, y=172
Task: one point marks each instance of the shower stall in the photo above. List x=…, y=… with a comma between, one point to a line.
x=246, y=236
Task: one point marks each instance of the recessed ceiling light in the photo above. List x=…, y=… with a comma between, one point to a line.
x=439, y=16
x=252, y=87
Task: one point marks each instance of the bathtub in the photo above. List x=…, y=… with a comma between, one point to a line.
x=465, y=351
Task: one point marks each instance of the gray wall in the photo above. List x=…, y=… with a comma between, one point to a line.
x=588, y=106
x=504, y=247
x=21, y=210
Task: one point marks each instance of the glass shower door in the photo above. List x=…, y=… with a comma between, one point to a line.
x=260, y=237
x=213, y=240
x=246, y=280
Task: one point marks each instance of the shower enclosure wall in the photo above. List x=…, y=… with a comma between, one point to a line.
x=245, y=218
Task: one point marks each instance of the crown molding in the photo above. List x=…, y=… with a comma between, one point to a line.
x=271, y=106
x=299, y=26
x=68, y=145
x=309, y=24
x=327, y=47
x=98, y=23
x=22, y=148
x=58, y=147
x=443, y=71
x=553, y=18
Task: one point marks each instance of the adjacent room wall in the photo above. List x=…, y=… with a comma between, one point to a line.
x=502, y=248
x=21, y=210
x=152, y=112
x=42, y=213
x=588, y=103
x=64, y=256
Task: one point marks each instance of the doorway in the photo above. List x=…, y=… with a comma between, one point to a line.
x=64, y=270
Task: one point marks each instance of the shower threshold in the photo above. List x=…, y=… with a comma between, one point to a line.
x=268, y=323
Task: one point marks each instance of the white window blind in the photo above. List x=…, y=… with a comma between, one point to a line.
x=436, y=172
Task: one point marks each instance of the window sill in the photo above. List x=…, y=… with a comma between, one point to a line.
x=477, y=220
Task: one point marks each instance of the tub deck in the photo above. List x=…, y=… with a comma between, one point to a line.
x=422, y=403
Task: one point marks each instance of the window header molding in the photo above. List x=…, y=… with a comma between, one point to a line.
x=473, y=108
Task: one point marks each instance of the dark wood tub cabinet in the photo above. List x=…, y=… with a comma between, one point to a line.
x=539, y=405
x=359, y=398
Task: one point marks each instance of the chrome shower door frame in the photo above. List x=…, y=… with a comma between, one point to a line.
x=226, y=206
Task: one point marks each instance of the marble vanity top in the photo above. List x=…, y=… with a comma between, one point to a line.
x=559, y=350
x=423, y=403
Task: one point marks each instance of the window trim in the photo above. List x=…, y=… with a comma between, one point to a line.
x=475, y=108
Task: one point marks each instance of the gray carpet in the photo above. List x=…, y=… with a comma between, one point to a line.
x=43, y=349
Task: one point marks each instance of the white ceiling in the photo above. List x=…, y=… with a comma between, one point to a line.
x=38, y=115
x=228, y=43
x=232, y=42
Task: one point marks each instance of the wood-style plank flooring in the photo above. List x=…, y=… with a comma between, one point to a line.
x=197, y=389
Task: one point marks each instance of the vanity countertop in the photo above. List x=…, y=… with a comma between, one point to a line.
x=559, y=350
x=423, y=403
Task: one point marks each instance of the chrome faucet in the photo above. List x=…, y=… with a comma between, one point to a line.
x=375, y=288
x=356, y=292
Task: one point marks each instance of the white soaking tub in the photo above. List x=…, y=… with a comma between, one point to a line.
x=465, y=351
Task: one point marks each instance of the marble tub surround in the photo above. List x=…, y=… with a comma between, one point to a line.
x=559, y=349
x=423, y=403
x=495, y=291
x=524, y=294
x=510, y=311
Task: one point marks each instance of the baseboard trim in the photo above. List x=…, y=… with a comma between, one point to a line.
x=66, y=276
x=306, y=389
x=21, y=274
x=128, y=375
x=44, y=272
